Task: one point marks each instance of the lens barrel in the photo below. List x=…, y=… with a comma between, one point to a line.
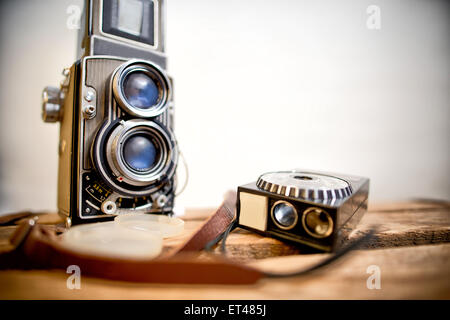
x=140, y=152
x=136, y=157
x=142, y=89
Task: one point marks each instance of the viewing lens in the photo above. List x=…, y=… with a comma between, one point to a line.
x=140, y=153
x=285, y=215
x=140, y=90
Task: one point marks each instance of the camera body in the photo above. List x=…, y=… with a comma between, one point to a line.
x=117, y=150
x=312, y=208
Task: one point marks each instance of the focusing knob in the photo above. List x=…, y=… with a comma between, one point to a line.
x=51, y=104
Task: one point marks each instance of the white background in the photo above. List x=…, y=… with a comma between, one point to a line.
x=259, y=86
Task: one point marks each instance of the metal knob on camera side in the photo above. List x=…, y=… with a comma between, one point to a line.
x=53, y=99
x=51, y=104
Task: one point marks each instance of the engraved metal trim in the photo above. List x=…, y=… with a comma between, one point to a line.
x=306, y=227
x=275, y=220
x=107, y=105
x=304, y=185
x=154, y=72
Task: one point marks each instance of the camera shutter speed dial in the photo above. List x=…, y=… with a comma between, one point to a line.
x=51, y=104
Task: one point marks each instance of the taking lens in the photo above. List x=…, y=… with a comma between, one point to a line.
x=140, y=90
x=141, y=153
x=284, y=215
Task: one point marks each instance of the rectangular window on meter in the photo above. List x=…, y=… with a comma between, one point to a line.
x=253, y=211
x=130, y=19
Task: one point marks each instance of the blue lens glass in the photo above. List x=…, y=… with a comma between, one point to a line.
x=284, y=214
x=140, y=90
x=140, y=153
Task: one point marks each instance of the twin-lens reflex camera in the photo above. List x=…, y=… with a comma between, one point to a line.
x=117, y=150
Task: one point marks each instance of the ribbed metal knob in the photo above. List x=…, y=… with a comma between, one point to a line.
x=304, y=185
x=51, y=104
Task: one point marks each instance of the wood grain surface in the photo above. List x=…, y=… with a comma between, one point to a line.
x=411, y=247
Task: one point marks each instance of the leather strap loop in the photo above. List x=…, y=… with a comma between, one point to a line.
x=38, y=247
x=213, y=227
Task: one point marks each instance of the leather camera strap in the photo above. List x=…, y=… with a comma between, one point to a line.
x=37, y=246
x=216, y=225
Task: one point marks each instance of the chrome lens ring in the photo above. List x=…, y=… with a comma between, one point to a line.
x=276, y=219
x=153, y=72
x=317, y=222
x=165, y=162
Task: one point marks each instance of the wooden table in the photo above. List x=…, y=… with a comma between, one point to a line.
x=411, y=249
